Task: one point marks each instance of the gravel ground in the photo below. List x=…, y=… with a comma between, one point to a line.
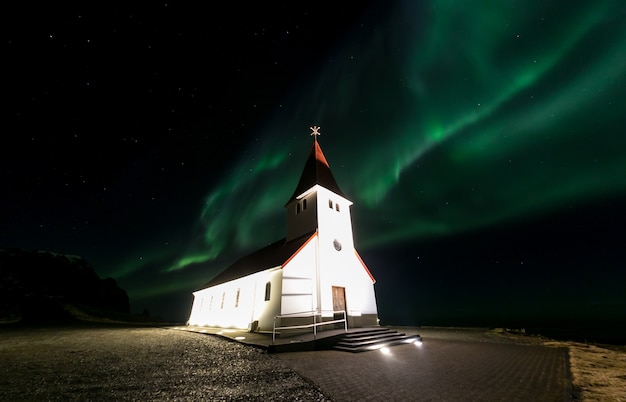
x=92, y=362
x=121, y=363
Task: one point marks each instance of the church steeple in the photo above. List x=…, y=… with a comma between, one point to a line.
x=318, y=204
x=316, y=171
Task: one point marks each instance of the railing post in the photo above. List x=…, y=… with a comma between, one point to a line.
x=314, y=325
x=274, y=331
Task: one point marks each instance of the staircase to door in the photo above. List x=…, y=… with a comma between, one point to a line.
x=373, y=339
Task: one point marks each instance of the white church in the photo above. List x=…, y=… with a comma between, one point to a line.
x=314, y=274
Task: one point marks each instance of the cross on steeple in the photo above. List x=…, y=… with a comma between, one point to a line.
x=315, y=131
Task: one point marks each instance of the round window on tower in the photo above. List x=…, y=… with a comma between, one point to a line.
x=337, y=244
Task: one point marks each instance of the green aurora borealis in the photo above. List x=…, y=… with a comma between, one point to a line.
x=437, y=118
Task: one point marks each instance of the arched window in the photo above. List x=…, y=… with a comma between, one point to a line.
x=223, y=297
x=337, y=207
x=268, y=290
x=297, y=208
x=330, y=204
x=237, y=298
x=304, y=204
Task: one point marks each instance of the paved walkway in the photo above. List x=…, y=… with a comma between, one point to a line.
x=450, y=365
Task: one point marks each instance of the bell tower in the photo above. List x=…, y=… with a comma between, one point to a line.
x=318, y=204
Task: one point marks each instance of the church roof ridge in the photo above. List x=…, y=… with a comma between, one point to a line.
x=273, y=255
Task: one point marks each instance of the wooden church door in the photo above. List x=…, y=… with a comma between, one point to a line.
x=339, y=304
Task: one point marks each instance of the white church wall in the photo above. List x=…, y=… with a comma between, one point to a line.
x=266, y=309
x=368, y=301
x=365, y=284
x=236, y=304
x=299, y=282
x=334, y=219
x=344, y=269
x=361, y=297
x=227, y=305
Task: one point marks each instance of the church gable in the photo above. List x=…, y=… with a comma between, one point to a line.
x=274, y=255
x=299, y=280
x=364, y=266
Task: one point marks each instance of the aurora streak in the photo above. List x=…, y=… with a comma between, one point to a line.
x=437, y=119
x=440, y=119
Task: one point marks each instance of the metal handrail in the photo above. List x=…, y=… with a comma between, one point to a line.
x=315, y=324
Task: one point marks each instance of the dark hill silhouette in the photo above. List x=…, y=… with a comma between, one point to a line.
x=41, y=286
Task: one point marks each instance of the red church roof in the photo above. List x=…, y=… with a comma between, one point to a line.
x=316, y=171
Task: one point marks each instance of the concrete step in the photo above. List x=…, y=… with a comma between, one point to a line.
x=370, y=338
x=373, y=339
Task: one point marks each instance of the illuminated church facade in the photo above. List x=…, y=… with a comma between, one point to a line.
x=314, y=272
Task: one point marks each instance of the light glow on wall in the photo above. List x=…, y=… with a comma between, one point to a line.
x=243, y=302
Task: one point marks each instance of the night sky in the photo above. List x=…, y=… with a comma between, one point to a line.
x=482, y=143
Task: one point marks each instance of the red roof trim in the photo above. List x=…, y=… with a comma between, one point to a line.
x=319, y=155
x=364, y=266
x=298, y=250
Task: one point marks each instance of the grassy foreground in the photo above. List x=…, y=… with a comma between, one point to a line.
x=598, y=371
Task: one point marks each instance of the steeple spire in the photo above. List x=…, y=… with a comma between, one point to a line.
x=316, y=170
